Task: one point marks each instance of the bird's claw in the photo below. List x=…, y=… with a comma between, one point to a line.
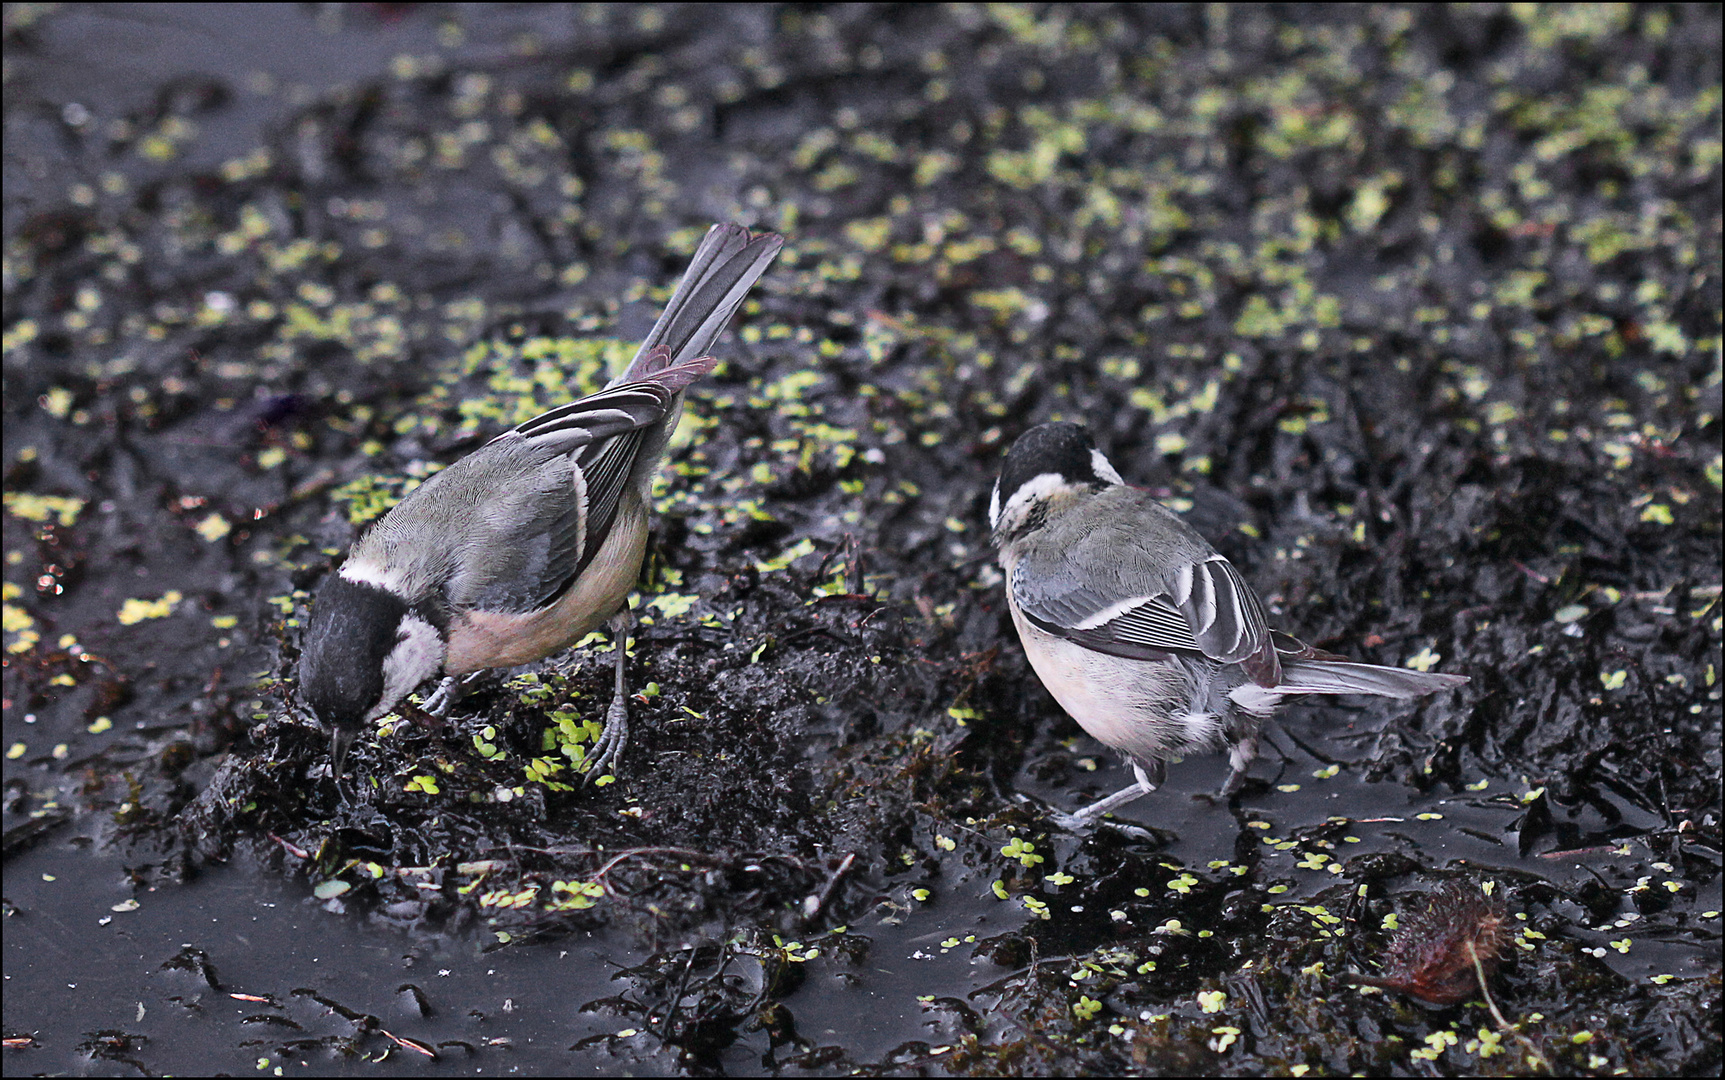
x=608, y=748
x=440, y=700
x=1081, y=822
x=451, y=689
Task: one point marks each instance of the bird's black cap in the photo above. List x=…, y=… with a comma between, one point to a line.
x=1062, y=448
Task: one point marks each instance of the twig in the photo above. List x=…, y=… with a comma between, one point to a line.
x=813, y=911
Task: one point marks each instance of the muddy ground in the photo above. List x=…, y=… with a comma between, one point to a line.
x=1414, y=311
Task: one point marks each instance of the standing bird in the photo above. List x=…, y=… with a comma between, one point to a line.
x=1146, y=636
x=526, y=545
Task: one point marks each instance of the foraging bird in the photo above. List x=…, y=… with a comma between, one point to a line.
x=1146, y=636
x=526, y=545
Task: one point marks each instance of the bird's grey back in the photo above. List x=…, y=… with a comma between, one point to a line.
x=1088, y=560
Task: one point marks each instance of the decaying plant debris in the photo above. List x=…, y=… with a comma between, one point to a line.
x=1414, y=311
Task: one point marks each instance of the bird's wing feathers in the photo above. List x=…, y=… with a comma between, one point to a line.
x=617, y=408
x=526, y=513
x=1225, y=613
x=574, y=461
x=1148, y=629
x=1126, y=610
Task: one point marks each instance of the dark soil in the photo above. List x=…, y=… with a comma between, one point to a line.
x=1415, y=311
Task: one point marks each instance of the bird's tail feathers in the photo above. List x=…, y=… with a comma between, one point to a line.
x=724, y=268
x=657, y=366
x=1344, y=677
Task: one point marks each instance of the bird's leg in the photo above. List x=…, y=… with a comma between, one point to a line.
x=1082, y=819
x=608, y=748
x=1240, y=758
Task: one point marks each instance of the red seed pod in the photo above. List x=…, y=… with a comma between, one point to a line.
x=1441, y=954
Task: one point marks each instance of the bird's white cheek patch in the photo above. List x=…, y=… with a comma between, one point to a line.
x=1104, y=468
x=417, y=656
x=1034, y=490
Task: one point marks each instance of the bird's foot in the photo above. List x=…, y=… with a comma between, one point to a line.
x=452, y=689
x=1083, y=822
x=1096, y=813
x=607, y=750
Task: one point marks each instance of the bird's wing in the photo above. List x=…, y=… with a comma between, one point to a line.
x=1124, y=608
x=574, y=463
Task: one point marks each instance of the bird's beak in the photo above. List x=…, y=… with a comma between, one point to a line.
x=339, y=741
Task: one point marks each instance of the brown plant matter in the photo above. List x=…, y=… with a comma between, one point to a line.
x=1441, y=954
